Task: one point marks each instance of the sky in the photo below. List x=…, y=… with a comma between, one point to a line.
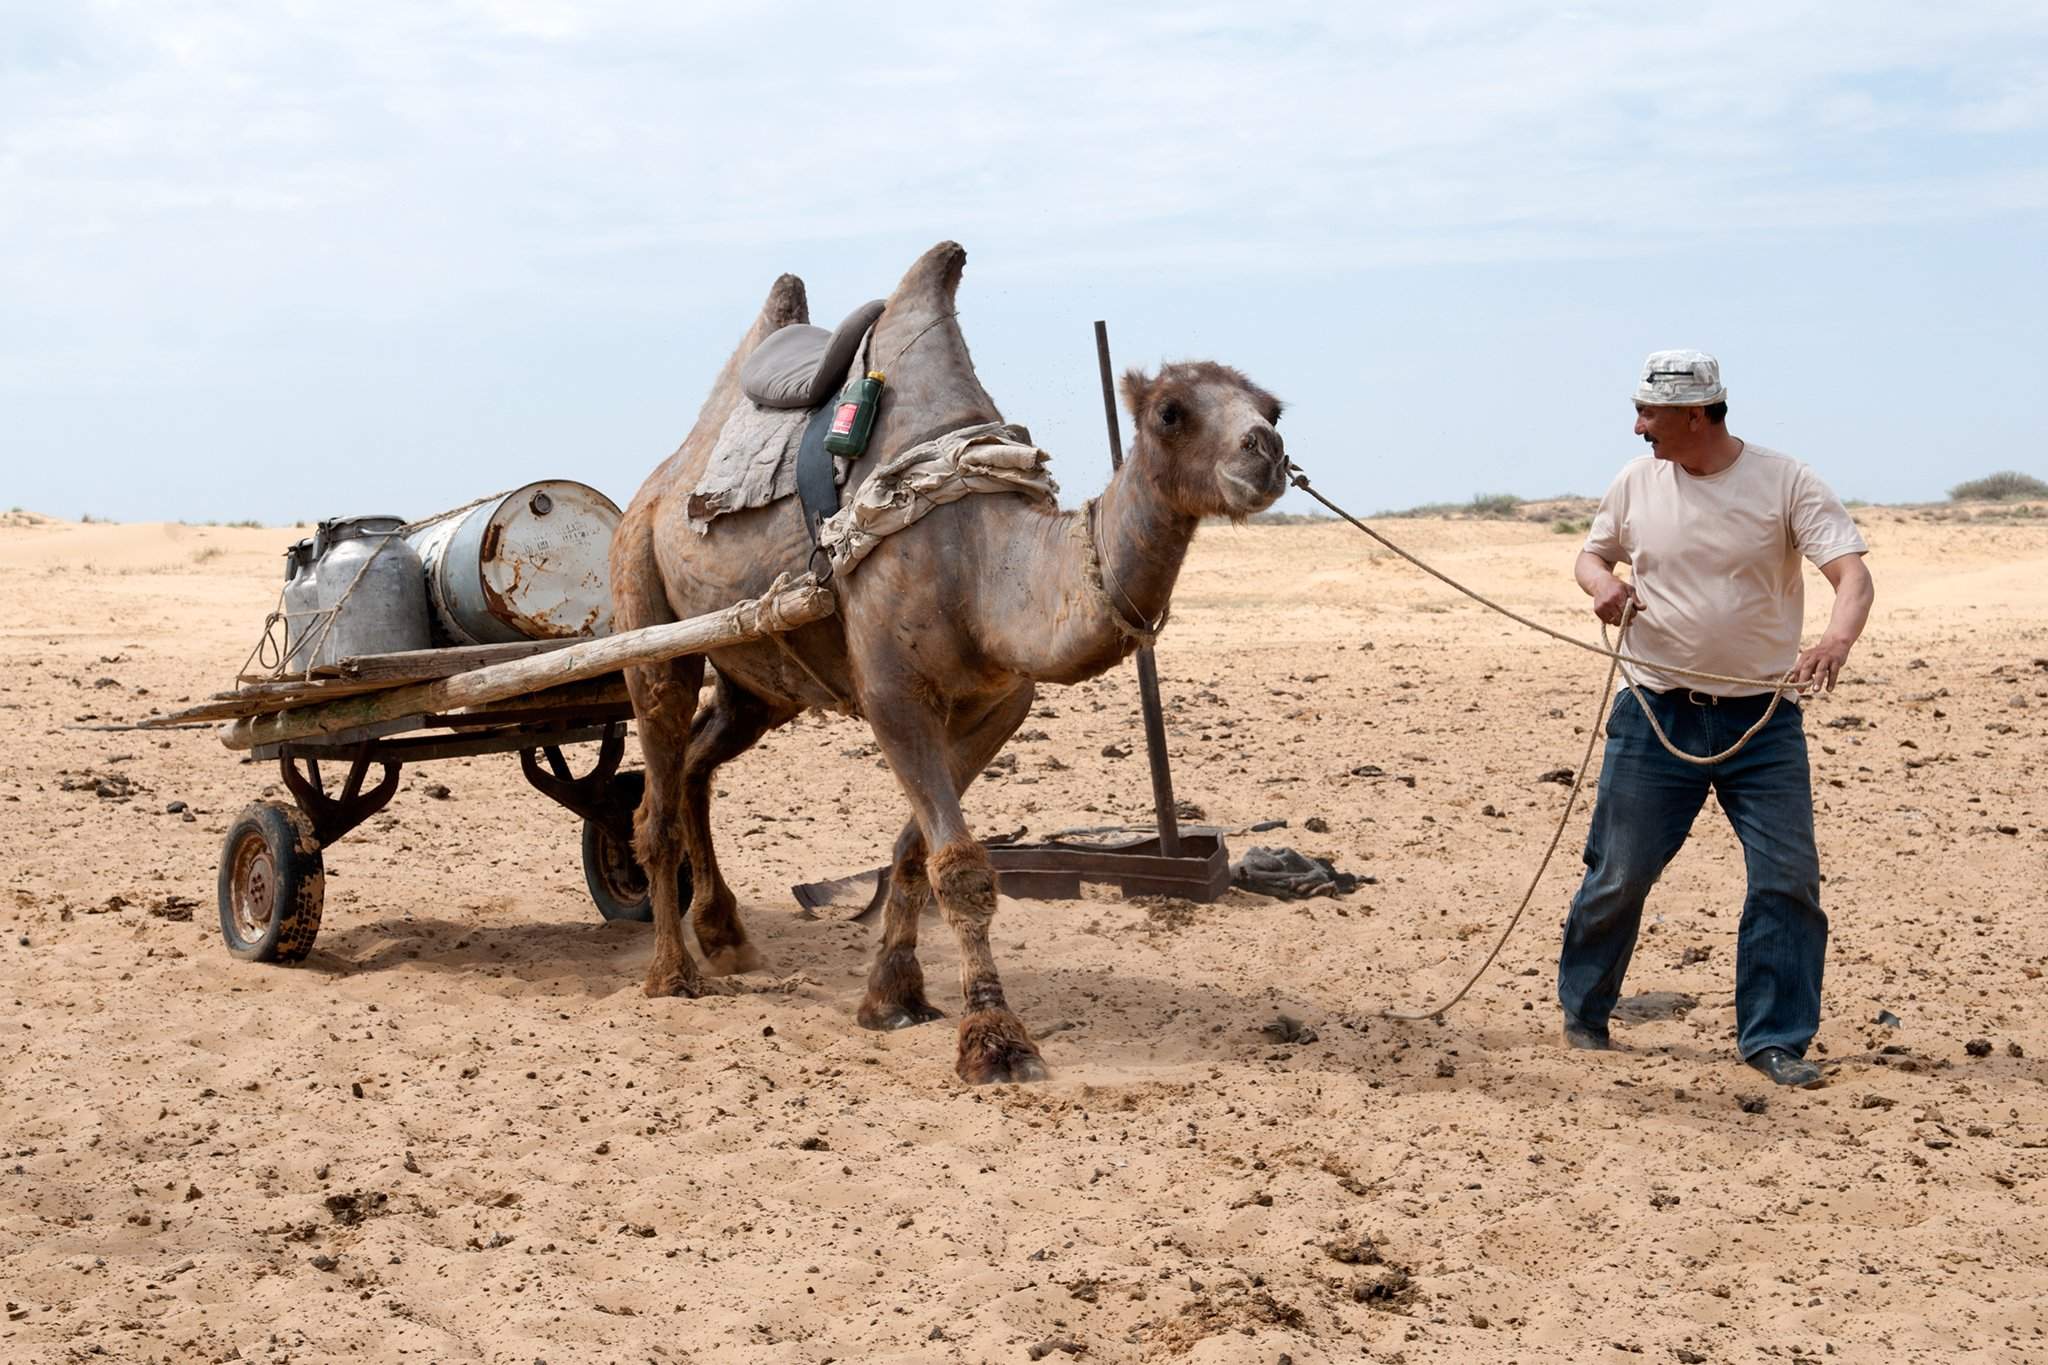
x=295, y=259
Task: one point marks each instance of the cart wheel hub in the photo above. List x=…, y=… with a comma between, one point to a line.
x=255, y=887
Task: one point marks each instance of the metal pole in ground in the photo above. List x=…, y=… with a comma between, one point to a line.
x=1148, y=668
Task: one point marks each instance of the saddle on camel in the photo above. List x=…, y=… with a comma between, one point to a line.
x=951, y=609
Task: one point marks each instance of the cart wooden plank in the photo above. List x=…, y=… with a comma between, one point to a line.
x=424, y=665
x=411, y=665
x=259, y=698
x=799, y=603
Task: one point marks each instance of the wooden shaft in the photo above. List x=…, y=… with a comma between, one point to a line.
x=1116, y=435
x=1155, y=753
x=795, y=606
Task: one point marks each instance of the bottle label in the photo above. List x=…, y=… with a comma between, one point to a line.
x=843, y=419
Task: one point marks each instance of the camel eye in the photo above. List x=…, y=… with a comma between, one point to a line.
x=1170, y=414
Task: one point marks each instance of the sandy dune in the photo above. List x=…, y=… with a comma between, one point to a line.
x=460, y=1133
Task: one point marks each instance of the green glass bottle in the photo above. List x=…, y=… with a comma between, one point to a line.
x=853, y=417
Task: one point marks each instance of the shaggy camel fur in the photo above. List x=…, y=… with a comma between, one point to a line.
x=941, y=636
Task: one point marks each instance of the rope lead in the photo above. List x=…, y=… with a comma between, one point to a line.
x=1615, y=659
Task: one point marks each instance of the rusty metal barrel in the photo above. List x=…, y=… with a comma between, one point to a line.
x=528, y=564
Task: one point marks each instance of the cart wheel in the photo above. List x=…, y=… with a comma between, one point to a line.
x=613, y=874
x=272, y=884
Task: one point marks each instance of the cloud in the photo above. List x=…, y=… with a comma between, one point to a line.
x=209, y=168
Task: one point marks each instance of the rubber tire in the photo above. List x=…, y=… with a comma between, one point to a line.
x=296, y=876
x=611, y=899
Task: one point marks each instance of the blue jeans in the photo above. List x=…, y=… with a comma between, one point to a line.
x=1644, y=811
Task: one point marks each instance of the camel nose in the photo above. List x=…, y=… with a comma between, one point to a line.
x=1264, y=440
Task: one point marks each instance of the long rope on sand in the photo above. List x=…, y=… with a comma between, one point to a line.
x=1615, y=659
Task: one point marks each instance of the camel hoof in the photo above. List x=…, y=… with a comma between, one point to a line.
x=900, y=1014
x=665, y=983
x=741, y=957
x=995, y=1050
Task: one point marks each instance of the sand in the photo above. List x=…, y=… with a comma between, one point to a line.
x=460, y=1133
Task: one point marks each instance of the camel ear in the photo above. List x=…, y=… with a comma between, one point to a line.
x=1137, y=391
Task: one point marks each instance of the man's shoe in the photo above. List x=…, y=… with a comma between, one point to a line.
x=1785, y=1069
x=1586, y=1039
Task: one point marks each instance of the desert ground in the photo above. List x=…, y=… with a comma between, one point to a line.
x=459, y=1132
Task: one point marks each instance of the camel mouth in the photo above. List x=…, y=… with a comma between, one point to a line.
x=1254, y=487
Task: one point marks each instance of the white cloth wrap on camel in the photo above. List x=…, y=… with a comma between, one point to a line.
x=993, y=457
x=753, y=462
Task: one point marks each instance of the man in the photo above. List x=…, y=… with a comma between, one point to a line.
x=1714, y=528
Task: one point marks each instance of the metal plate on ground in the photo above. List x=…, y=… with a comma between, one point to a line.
x=1136, y=865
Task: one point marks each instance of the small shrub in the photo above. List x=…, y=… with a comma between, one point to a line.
x=205, y=553
x=1572, y=526
x=88, y=519
x=1494, y=505
x=2006, y=486
x=245, y=525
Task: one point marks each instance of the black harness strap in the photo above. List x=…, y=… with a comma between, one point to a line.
x=817, y=483
x=817, y=474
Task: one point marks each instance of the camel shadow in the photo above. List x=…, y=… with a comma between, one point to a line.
x=1118, y=1017
x=1106, y=1018
x=583, y=957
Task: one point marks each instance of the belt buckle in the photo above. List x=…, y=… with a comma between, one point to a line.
x=1701, y=698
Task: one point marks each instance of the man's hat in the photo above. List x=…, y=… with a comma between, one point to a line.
x=1680, y=379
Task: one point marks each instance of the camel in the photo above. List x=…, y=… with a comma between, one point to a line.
x=941, y=638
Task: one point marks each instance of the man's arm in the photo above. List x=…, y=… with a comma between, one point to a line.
x=1610, y=594
x=1854, y=592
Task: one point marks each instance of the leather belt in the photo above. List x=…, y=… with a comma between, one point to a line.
x=1695, y=697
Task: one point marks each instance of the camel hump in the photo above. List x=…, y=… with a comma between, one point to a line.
x=786, y=303
x=932, y=280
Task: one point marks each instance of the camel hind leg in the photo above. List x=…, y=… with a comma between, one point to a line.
x=664, y=698
x=664, y=704
x=731, y=724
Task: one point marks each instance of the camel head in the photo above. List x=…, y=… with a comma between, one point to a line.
x=1204, y=434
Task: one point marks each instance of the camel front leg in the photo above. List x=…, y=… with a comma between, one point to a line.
x=664, y=700
x=895, y=995
x=994, y=1044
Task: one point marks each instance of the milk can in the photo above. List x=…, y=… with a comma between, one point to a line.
x=354, y=587
x=529, y=564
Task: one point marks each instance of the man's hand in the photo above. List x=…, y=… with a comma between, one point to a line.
x=1821, y=665
x=1611, y=597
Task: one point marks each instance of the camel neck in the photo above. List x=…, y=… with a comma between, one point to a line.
x=1052, y=621
x=1142, y=542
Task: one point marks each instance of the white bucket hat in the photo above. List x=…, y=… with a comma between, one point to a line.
x=1680, y=379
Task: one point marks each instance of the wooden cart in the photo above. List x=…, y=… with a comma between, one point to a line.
x=382, y=712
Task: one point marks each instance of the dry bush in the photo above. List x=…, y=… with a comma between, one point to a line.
x=2005, y=486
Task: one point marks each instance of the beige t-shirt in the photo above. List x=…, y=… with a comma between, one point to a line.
x=1716, y=562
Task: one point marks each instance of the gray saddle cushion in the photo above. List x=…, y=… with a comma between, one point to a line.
x=799, y=366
